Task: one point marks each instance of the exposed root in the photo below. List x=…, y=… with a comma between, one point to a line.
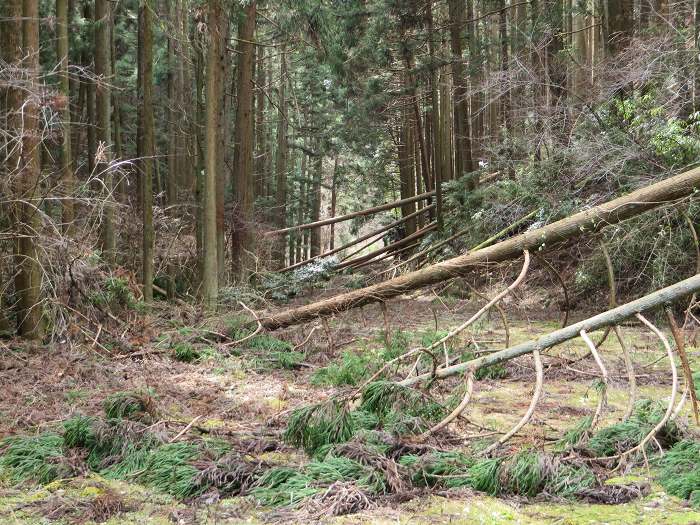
x=531, y=409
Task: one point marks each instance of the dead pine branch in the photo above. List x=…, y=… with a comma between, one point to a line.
x=249, y=336
x=679, y=338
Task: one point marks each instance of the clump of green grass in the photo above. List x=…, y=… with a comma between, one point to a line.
x=680, y=471
x=625, y=435
x=78, y=432
x=484, y=476
x=313, y=426
x=133, y=405
x=352, y=369
x=283, y=486
x=386, y=397
x=287, y=360
x=447, y=468
x=168, y=468
x=186, y=352
x=573, y=436
x=40, y=458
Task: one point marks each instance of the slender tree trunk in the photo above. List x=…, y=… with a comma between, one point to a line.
x=301, y=215
x=435, y=112
x=197, y=132
x=462, y=117
x=316, y=200
x=104, y=128
x=91, y=117
x=223, y=150
x=147, y=161
x=281, y=164
x=334, y=199
x=260, y=142
x=67, y=175
x=242, y=245
x=214, y=99
x=174, y=54
x=406, y=173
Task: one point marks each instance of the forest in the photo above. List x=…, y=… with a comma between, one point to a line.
x=349, y=261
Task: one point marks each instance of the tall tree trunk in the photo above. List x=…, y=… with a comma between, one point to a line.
x=67, y=175
x=301, y=211
x=214, y=99
x=281, y=164
x=25, y=116
x=174, y=54
x=223, y=150
x=462, y=117
x=146, y=161
x=435, y=111
x=103, y=71
x=260, y=142
x=406, y=173
x=91, y=118
x=242, y=245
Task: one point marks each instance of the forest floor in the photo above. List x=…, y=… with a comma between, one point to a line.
x=239, y=396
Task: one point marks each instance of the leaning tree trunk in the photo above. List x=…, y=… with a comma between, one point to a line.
x=541, y=240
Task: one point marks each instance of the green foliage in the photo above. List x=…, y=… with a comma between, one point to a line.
x=39, y=458
x=573, y=436
x=680, y=470
x=625, y=435
x=312, y=426
x=352, y=369
x=439, y=468
x=288, y=360
x=283, y=486
x=78, y=432
x=168, y=469
x=133, y=405
x=484, y=476
x=186, y=352
x=116, y=294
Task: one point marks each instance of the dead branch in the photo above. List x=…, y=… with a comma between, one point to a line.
x=456, y=412
x=537, y=394
x=679, y=338
x=610, y=317
x=603, y=398
x=249, y=336
x=631, y=376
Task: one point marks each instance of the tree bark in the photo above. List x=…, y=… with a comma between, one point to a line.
x=281, y=161
x=67, y=175
x=147, y=160
x=214, y=99
x=316, y=204
x=242, y=242
x=103, y=103
x=541, y=239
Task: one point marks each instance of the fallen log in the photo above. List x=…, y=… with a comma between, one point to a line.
x=608, y=318
x=358, y=240
x=539, y=240
x=348, y=216
x=398, y=244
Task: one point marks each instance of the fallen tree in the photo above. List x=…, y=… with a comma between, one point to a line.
x=348, y=216
x=539, y=240
x=373, y=233
x=608, y=318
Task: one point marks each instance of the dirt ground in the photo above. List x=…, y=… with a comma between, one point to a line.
x=229, y=395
